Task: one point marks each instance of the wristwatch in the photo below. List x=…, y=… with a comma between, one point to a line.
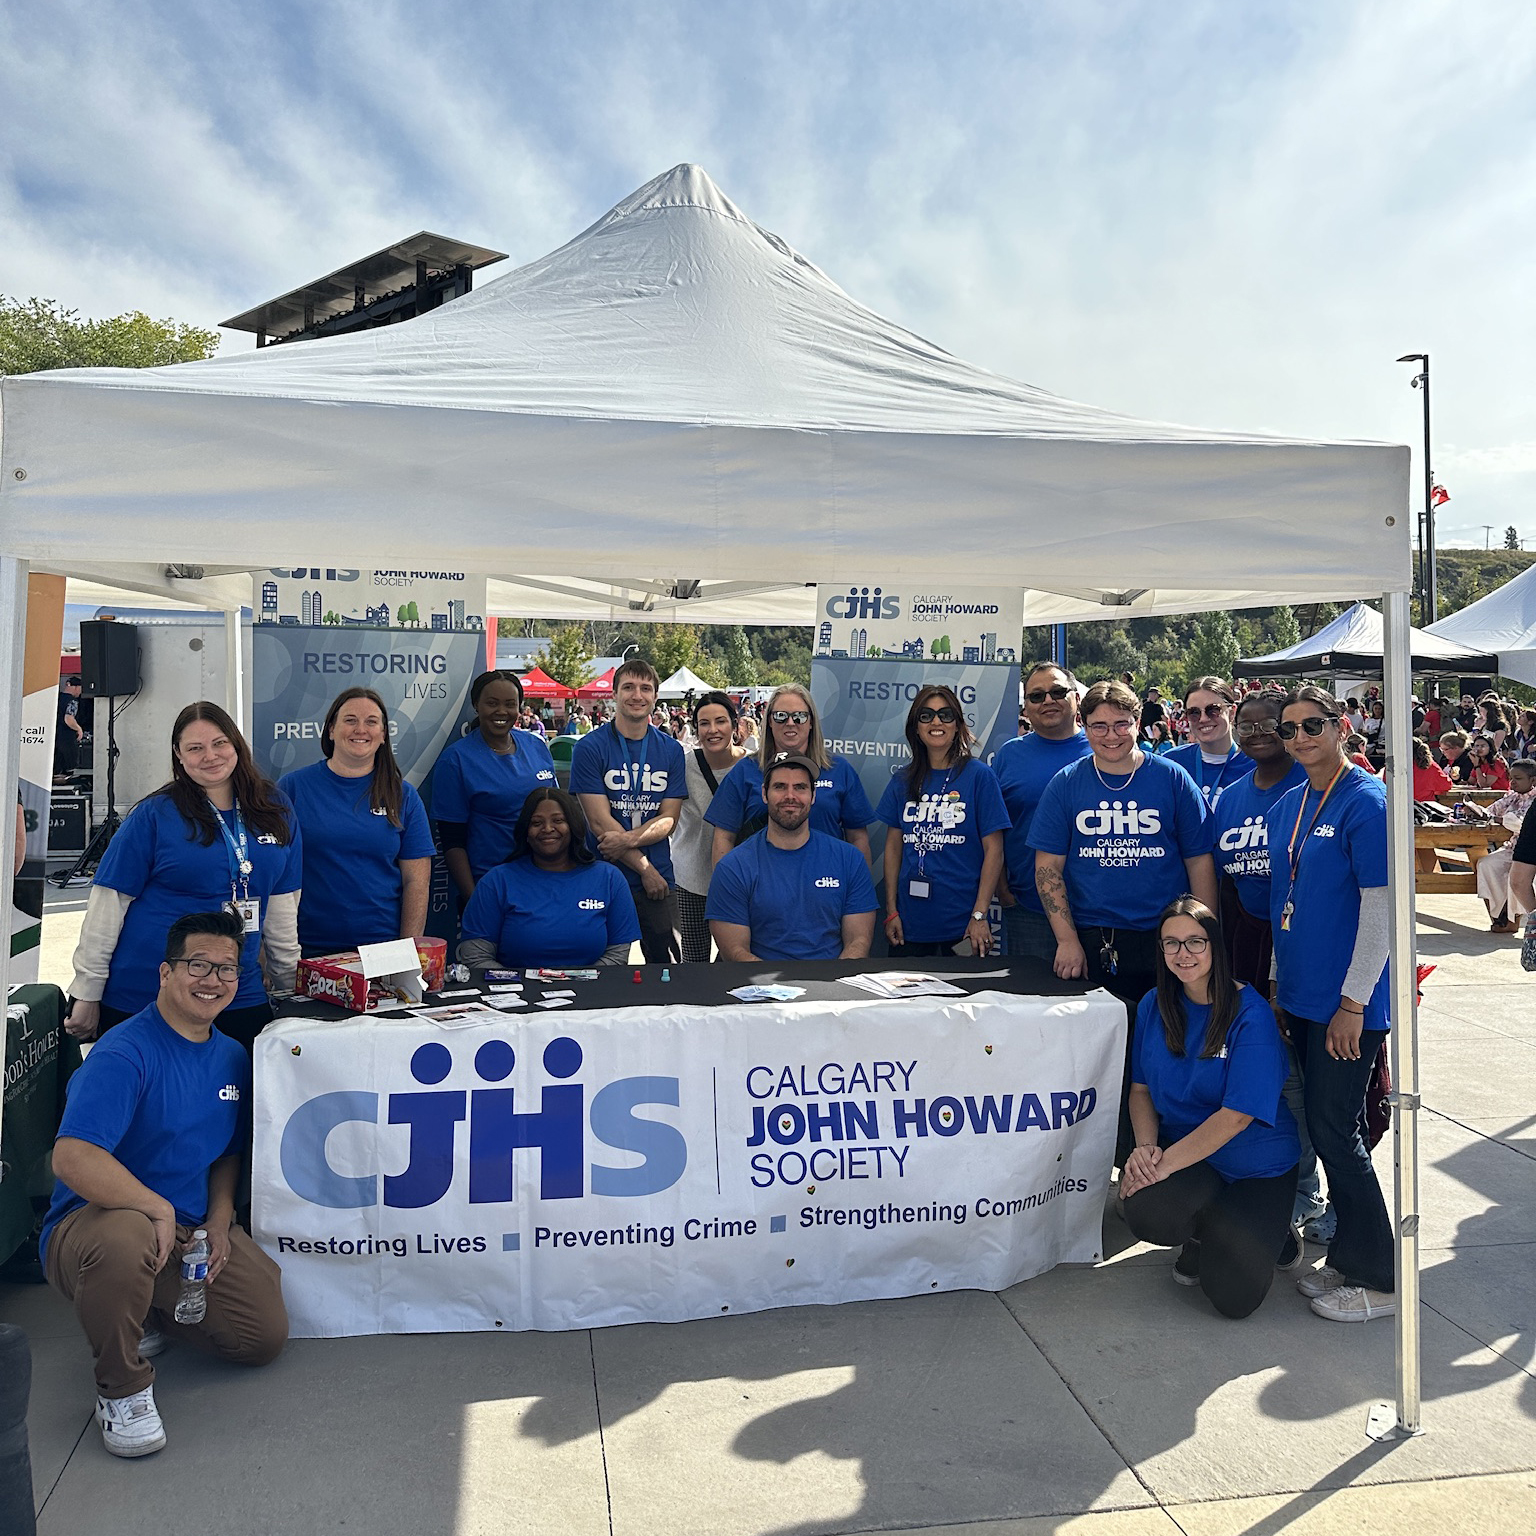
x=978, y=917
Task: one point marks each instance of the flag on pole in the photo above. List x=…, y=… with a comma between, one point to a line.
x=1438, y=496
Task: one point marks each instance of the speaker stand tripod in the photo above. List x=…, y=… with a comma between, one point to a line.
x=82, y=870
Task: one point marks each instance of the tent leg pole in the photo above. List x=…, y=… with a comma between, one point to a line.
x=13, y=646
x=234, y=669
x=1383, y=1423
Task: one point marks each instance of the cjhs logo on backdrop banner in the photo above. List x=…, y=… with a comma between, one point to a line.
x=668, y=1163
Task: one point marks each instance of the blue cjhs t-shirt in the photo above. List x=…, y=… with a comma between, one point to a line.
x=1125, y=839
x=1345, y=852
x=1024, y=766
x=635, y=777
x=169, y=873
x=1243, y=833
x=486, y=790
x=941, y=845
x=840, y=802
x=793, y=900
x=542, y=917
x=1247, y=1077
x=352, y=857
x=165, y=1107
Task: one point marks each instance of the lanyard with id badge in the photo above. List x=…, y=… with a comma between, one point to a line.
x=237, y=845
x=919, y=886
x=639, y=765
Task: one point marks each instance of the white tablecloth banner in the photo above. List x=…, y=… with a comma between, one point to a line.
x=572, y=1169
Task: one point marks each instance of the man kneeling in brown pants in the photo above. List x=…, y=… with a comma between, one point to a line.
x=149, y=1149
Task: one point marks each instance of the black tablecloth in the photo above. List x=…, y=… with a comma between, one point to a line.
x=39, y=1058
x=710, y=985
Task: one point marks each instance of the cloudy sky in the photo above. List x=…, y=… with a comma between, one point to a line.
x=1232, y=214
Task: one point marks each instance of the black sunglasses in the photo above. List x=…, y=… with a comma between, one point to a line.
x=1313, y=725
x=1211, y=711
x=945, y=715
x=1040, y=695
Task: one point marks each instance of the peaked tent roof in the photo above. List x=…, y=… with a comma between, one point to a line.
x=1503, y=622
x=1352, y=644
x=682, y=682
x=676, y=394
x=538, y=684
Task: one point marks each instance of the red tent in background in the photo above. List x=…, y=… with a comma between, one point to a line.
x=599, y=687
x=538, y=684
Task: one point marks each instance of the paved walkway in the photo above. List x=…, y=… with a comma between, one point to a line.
x=1097, y=1401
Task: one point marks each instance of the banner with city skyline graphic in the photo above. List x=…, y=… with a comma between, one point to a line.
x=446, y=601
x=897, y=622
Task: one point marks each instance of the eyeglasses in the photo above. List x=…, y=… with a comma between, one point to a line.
x=1106, y=727
x=200, y=970
x=1040, y=695
x=791, y=717
x=1247, y=728
x=1196, y=946
x=1313, y=725
x=1211, y=711
x=945, y=716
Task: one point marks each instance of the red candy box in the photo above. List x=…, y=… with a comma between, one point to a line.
x=339, y=978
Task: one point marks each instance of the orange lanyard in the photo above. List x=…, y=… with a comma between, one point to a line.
x=1293, y=848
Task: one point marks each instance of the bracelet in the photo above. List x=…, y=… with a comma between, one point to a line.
x=890, y=917
x=1358, y=1013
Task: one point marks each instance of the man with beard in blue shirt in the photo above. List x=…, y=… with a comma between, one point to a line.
x=789, y=893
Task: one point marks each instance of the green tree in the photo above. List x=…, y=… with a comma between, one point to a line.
x=566, y=657
x=1511, y=537
x=673, y=646
x=400, y=616
x=1283, y=629
x=740, y=666
x=1215, y=649
x=40, y=333
x=940, y=647
x=413, y=614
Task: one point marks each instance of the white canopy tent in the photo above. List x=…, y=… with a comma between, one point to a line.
x=1504, y=622
x=677, y=397
x=682, y=682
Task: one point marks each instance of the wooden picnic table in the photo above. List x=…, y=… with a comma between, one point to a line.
x=1466, y=839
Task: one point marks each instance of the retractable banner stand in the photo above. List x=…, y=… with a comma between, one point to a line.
x=655, y=1164
x=39, y=707
x=879, y=644
x=417, y=638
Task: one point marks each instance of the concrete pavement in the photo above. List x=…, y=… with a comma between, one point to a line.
x=1096, y=1401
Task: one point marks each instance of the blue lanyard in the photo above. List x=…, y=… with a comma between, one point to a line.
x=938, y=800
x=1221, y=773
x=237, y=845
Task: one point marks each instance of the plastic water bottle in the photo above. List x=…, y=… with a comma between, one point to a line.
x=193, y=1301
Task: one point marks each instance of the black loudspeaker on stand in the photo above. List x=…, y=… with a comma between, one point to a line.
x=109, y=667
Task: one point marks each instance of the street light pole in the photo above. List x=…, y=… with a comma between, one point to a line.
x=1428, y=588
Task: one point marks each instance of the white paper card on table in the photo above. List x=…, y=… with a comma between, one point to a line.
x=903, y=984
x=562, y=992
x=389, y=958
x=555, y=1002
x=505, y=1001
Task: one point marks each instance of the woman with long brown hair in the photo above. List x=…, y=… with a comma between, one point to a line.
x=367, y=841
x=945, y=820
x=1213, y=1170
x=218, y=834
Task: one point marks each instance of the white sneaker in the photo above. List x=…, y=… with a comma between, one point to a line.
x=130, y=1426
x=1318, y=1282
x=1354, y=1304
x=152, y=1343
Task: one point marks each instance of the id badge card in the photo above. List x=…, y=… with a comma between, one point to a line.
x=918, y=888
x=248, y=909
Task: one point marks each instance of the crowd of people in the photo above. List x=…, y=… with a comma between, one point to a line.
x=1256, y=986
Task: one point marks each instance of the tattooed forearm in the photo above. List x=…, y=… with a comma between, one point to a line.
x=1053, y=893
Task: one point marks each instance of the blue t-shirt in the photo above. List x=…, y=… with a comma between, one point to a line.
x=941, y=835
x=1125, y=846
x=635, y=777
x=486, y=790
x=1345, y=852
x=840, y=803
x=165, y=1107
x=352, y=858
x=156, y=859
x=793, y=900
x=1024, y=766
x=1241, y=826
x=1212, y=779
x=1247, y=1077
x=541, y=917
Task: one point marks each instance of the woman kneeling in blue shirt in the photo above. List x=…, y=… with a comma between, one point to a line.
x=1214, y=1166
x=553, y=902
